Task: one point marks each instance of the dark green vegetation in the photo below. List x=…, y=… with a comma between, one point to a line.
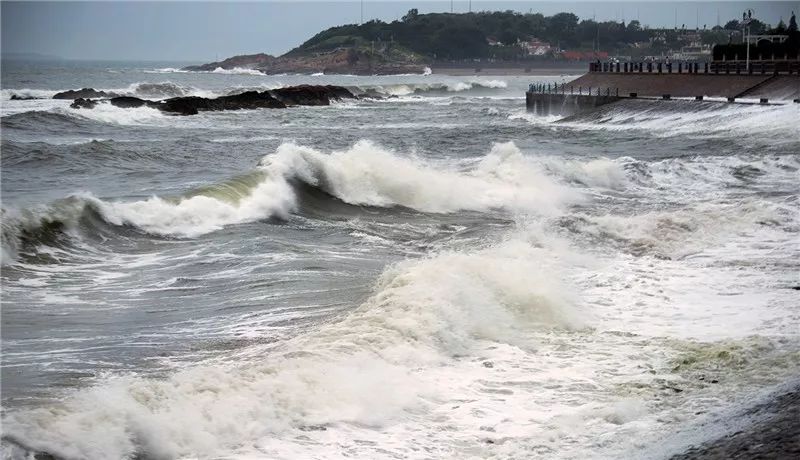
x=444, y=36
x=764, y=49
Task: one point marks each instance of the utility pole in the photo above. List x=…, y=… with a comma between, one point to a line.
x=746, y=18
x=362, y=11
x=451, y=6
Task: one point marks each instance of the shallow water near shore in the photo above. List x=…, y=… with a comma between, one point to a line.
x=431, y=274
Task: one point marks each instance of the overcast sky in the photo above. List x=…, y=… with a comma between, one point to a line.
x=191, y=31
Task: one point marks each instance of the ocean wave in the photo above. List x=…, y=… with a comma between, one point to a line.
x=56, y=225
x=6, y=94
x=166, y=70
x=678, y=233
x=383, y=364
x=237, y=71
x=107, y=113
x=364, y=175
x=440, y=89
x=696, y=119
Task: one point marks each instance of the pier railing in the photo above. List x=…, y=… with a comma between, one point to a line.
x=717, y=67
x=563, y=88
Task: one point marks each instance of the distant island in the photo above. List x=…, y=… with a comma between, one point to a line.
x=418, y=41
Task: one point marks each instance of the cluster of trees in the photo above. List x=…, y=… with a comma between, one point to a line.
x=764, y=49
x=448, y=36
x=759, y=28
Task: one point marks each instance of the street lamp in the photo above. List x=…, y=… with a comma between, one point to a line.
x=747, y=17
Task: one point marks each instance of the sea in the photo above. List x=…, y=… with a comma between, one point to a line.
x=429, y=272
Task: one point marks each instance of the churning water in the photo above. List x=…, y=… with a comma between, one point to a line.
x=433, y=274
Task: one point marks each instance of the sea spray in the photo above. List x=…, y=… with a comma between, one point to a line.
x=369, y=369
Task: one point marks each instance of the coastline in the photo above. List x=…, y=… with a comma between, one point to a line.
x=505, y=72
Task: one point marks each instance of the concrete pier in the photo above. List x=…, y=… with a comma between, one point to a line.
x=565, y=104
x=605, y=84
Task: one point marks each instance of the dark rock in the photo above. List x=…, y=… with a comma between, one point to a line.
x=128, y=102
x=16, y=97
x=311, y=94
x=243, y=61
x=82, y=103
x=191, y=105
x=248, y=100
x=85, y=93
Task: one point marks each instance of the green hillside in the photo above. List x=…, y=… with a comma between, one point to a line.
x=446, y=36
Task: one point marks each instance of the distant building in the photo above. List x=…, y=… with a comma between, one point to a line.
x=584, y=55
x=535, y=47
x=692, y=52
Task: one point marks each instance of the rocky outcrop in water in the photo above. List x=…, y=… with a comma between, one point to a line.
x=244, y=61
x=84, y=93
x=311, y=94
x=338, y=61
x=275, y=99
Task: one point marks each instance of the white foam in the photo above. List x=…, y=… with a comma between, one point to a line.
x=407, y=89
x=201, y=214
x=365, y=174
x=238, y=71
x=374, y=369
x=5, y=94
x=369, y=175
x=707, y=120
x=107, y=113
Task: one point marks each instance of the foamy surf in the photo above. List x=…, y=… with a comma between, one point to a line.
x=365, y=174
x=375, y=368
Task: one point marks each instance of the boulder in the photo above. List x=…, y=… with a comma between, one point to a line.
x=82, y=103
x=85, y=93
x=191, y=105
x=247, y=100
x=17, y=97
x=311, y=94
x=128, y=102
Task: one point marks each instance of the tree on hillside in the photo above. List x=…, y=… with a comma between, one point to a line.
x=732, y=25
x=411, y=15
x=562, y=27
x=792, y=23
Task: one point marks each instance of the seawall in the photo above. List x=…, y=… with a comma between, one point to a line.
x=676, y=85
x=545, y=104
x=598, y=88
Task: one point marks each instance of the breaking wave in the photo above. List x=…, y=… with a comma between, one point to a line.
x=237, y=71
x=691, y=118
x=7, y=94
x=383, y=363
x=364, y=175
x=434, y=89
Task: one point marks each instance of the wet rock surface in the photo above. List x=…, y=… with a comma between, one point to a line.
x=84, y=93
x=775, y=434
x=311, y=94
x=191, y=105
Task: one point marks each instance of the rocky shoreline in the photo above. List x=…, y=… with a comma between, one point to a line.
x=281, y=98
x=343, y=61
